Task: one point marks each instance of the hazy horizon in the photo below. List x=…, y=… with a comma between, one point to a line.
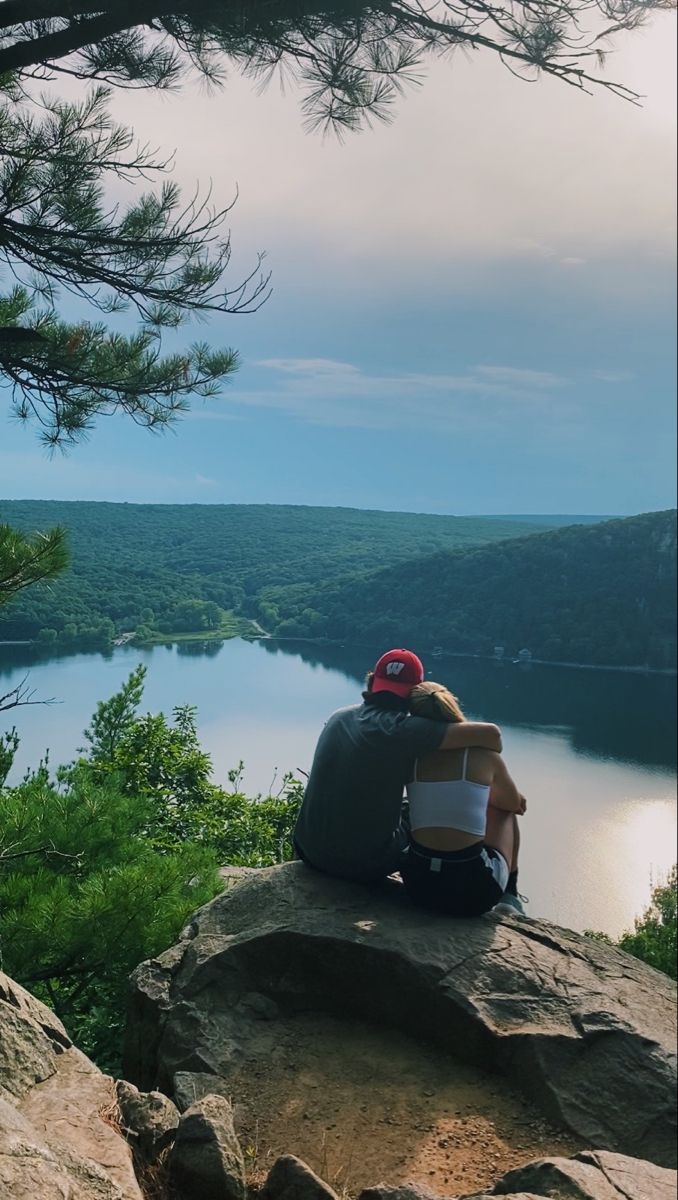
x=527, y=516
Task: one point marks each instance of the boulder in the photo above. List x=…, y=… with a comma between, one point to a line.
x=149, y=1120
x=31, y=1039
x=206, y=1159
x=291, y=1179
x=404, y=1191
x=190, y=1086
x=591, y=1175
x=58, y=1132
x=585, y=1030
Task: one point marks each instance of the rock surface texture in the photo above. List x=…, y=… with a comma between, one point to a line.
x=592, y=1175
x=149, y=1120
x=55, y=1140
x=586, y=1031
x=291, y=1179
x=206, y=1160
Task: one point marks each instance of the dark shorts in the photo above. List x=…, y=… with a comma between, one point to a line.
x=461, y=883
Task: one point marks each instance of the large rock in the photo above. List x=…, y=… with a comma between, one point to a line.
x=206, y=1160
x=58, y=1139
x=585, y=1030
x=592, y=1175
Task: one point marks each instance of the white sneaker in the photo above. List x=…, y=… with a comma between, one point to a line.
x=511, y=903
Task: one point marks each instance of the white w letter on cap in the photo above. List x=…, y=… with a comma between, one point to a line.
x=394, y=668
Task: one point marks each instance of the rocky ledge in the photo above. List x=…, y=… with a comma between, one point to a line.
x=58, y=1138
x=586, y=1031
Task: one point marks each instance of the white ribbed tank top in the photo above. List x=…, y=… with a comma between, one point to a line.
x=448, y=803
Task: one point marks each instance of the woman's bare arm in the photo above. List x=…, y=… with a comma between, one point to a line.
x=503, y=792
x=472, y=733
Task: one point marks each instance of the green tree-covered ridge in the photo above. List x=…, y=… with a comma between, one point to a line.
x=171, y=568
x=598, y=594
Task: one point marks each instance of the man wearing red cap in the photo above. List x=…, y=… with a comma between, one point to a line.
x=350, y=823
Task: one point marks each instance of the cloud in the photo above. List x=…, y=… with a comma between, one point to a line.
x=613, y=376
x=539, y=172
x=329, y=393
x=206, y=481
x=518, y=377
x=307, y=366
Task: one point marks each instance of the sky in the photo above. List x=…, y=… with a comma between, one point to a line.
x=473, y=308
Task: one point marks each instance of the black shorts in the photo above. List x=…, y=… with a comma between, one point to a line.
x=461, y=883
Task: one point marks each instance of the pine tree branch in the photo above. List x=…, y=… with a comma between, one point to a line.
x=46, y=851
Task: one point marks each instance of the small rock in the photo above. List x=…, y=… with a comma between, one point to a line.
x=405, y=1191
x=189, y=1086
x=291, y=1179
x=149, y=1119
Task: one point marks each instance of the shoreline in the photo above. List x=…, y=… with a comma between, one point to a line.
x=255, y=633
x=502, y=662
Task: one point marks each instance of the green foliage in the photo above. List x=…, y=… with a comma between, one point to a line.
x=102, y=862
x=170, y=568
x=653, y=939
x=26, y=559
x=163, y=762
x=597, y=594
x=160, y=257
x=9, y=744
x=84, y=896
x=352, y=58
x=654, y=935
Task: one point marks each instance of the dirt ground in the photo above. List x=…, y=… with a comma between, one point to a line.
x=363, y=1105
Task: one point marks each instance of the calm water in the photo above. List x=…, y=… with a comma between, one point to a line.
x=593, y=751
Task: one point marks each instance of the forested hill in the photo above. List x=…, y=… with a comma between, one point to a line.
x=601, y=593
x=171, y=568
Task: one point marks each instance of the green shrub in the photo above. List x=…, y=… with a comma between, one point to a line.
x=102, y=861
x=653, y=938
x=654, y=935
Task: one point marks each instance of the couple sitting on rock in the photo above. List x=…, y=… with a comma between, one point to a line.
x=456, y=842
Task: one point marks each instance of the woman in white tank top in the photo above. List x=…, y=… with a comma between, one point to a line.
x=463, y=804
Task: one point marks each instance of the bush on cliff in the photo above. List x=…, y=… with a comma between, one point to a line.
x=102, y=861
x=654, y=935
x=653, y=938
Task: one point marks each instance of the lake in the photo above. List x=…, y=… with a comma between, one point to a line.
x=593, y=751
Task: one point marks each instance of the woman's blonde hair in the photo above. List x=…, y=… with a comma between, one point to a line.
x=433, y=700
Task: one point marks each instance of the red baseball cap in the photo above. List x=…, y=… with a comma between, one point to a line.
x=398, y=671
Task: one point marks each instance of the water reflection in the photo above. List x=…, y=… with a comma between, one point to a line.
x=199, y=649
x=611, y=714
x=620, y=715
